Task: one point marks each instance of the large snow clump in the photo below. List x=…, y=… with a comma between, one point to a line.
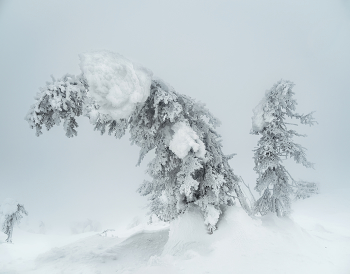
x=115, y=83
x=262, y=116
x=185, y=139
x=264, y=112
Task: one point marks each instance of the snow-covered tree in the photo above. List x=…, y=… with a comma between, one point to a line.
x=11, y=213
x=276, y=143
x=115, y=94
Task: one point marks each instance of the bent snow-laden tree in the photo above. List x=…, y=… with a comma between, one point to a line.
x=11, y=213
x=116, y=95
x=276, y=142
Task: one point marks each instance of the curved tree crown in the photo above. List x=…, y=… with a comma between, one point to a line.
x=189, y=166
x=276, y=142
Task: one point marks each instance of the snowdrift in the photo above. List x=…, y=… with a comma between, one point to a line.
x=315, y=240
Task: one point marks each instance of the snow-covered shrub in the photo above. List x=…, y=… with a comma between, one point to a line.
x=85, y=226
x=11, y=213
x=189, y=166
x=305, y=189
x=276, y=142
x=33, y=226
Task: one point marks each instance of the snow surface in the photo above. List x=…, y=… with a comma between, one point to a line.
x=115, y=83
x=185, y=139
x=316, y=239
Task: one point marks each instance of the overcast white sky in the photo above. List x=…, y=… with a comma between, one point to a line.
x=223, y=53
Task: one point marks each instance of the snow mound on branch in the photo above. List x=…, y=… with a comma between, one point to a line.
x=115, y=83
x=185, y=139
x=8, y=207
x=262, y=116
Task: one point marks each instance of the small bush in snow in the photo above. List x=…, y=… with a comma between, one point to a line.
x=116, y=95
x=85, y=226
x=305, y=189
x=276, y=142
x=11, y=213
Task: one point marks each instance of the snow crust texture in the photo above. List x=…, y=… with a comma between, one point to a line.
x=115, y=83
x=187, y=232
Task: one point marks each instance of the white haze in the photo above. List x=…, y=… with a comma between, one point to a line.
x=223, y=53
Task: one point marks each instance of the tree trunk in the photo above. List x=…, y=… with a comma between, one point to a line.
x=9, y=231
x=9, y=237
x=242, y=199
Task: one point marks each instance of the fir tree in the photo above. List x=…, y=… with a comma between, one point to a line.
x=189, y=166
x=276, y=143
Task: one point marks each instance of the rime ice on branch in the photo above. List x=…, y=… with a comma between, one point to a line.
x=116, y=95
x=269, y=121
x=61, y=99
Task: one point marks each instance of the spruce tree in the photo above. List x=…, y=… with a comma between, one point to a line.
x=202, y=176
x=276, y=143
x=189, y=166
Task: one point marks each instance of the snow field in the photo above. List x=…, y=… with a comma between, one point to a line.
x=19, y=257
x=316, y=239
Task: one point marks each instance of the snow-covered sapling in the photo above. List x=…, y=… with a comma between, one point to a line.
x=276, y=143
x=115, y=94
x=11, y=213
